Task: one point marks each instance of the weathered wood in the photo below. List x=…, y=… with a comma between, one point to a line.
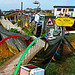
x=10, y=66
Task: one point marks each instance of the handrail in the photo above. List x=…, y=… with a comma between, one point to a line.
x=11, y=37
x=23, y=55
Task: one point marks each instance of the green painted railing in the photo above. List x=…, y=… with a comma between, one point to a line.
x=23, y=55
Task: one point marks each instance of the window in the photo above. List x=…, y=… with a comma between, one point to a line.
x=59, y=9
x=71, y=9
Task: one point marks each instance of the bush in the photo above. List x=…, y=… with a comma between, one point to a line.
x=29, y=32
x=14, y=30
x=4, y=59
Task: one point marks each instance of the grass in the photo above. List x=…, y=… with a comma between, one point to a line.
x=70, y=37
x=64, y=66
x=71, y=65
x=4, y=59
x=51, y=70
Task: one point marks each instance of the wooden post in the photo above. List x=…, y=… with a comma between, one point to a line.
x=62, y=43
x=63, y=31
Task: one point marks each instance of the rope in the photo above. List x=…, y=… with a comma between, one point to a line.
x=52, y=57
x=11, y=37
x=72, y=27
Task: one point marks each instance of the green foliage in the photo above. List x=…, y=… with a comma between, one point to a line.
x=43, y=35
x=5, y=16
x=28, y=31
x=70, y=37
x=44, y=31
x=52, y=69
x=4, y=59
x=20, y=23
x=71, y=65
x=14, y=30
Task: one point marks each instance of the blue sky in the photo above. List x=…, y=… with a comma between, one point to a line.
x=44, y=4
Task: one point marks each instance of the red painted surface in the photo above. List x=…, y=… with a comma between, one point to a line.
x=30, y=66
x=27, y=41
x=47, y=39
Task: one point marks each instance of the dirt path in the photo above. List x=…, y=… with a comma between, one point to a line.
x=10, y=65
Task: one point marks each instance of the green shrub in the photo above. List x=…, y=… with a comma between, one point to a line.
x=4, y=59
x=28, y=32
x=14, y=30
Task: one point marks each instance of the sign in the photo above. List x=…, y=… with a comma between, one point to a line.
x=49, y=22
x=37, y=18
x=64, y=21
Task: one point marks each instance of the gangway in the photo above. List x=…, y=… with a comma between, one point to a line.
x=9, y=67
x=8, y=25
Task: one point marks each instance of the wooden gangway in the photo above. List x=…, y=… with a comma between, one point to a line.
x=9, y=67
x=8, y=25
